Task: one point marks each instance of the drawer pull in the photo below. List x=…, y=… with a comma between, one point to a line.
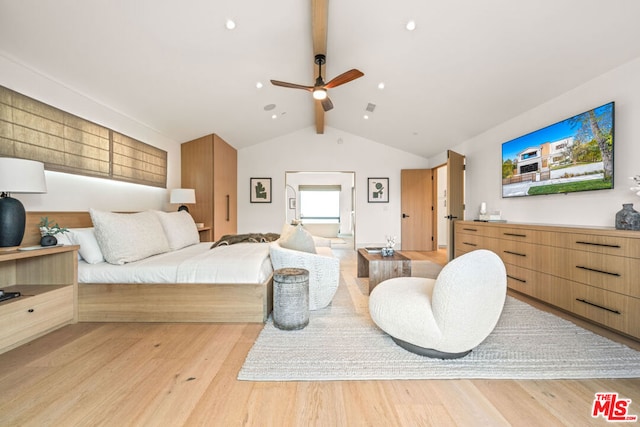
x=469, y=244
x=31, y=310
x=517, y=279
x=597, y=271
x=598, y=306
x=470, y=229
x=514, y=234
x=514, y=253
x=598, y=244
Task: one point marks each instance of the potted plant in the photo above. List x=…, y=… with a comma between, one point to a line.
x=48, y=230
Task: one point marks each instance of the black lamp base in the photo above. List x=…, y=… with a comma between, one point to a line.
x=183, y=208
x=12, y=222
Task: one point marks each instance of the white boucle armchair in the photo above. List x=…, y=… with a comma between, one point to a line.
x=323, y=267
x=445, y=317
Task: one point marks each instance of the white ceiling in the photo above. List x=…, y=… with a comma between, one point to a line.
x=469, y=65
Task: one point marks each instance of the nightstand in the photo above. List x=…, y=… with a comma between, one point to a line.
x=47, y=280
x=205, y=234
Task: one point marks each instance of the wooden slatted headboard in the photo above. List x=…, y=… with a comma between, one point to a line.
x=65, y=219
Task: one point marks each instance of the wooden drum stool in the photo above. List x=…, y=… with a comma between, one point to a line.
x=291, y=298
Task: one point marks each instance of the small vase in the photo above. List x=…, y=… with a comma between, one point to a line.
x=48, y=241
x=628, y=218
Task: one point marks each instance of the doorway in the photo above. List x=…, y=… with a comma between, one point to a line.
x=337, y=224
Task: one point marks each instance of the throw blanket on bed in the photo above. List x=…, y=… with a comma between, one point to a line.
x=231, y=239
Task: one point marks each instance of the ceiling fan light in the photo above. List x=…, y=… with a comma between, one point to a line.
x=320, y=94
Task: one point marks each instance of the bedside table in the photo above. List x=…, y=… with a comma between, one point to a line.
x=47, y=280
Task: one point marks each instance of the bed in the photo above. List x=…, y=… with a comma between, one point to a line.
x=179, y=286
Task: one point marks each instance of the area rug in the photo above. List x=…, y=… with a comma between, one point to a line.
x=342, y=343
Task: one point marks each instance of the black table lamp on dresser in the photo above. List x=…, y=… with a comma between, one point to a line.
x=17, y=176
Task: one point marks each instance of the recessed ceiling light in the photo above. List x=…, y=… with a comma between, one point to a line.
x=411, y=25
x=230, y=24
x=259, y=85
x=381, y=85
x=274, y=116
x=366, y=117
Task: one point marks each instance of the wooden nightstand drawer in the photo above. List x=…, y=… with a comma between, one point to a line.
x=31, y=316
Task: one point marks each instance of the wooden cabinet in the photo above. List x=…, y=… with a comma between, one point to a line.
x=47, y=280
x=593, y=273
x=209, y=165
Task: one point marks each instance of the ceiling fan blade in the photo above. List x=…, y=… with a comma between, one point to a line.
x=327, y=104
x=319, y=113
x=291, y=85
x=344, y=78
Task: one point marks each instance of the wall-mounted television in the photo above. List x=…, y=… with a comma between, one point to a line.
x=575, y=154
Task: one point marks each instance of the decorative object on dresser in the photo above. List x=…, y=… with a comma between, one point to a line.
x=260, y=190
x=210, y=167
x=628, y=218
x=182, y=196
x=17, y=176
x=589, y=272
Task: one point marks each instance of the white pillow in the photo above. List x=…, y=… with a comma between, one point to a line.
x=297, y=239
x=89, y=248
x=180, y=229
x=128, y=237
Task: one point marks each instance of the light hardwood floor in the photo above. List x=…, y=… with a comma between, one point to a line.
x=127, y=374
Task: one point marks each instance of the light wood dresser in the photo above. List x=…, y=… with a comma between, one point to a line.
x=48, y=282
x=593, y=273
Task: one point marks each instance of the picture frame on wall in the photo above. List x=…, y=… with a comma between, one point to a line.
x=260, y=190
x=378, y=190
x=292, y=203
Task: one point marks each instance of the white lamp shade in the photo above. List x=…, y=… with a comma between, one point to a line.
x=21, y=176
x=183, y=195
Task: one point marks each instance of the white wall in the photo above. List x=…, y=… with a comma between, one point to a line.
x=70, y=192
x=592, y=208
x=333, y=151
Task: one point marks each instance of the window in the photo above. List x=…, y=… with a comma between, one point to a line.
x=32, y=130
x=320, y=203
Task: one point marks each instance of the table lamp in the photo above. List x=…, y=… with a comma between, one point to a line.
x=182, y=196
x=17, y=176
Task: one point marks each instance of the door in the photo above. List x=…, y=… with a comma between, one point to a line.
x=416, y=205
x=455, y=195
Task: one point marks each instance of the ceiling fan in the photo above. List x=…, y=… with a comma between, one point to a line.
x=319, y=9
x=319, y=89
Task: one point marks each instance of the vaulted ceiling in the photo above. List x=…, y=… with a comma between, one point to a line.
x=467, y=66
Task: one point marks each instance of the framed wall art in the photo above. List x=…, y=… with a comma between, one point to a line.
x=378, y=190
x=260, y=190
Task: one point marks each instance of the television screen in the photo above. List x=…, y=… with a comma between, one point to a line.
x=575, y=154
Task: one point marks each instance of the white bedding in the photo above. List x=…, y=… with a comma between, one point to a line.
x=239, y=263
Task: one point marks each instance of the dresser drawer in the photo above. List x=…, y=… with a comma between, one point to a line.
x=619, y=312
x=30, y=316
x=475, y=228
x=601, y=244
x=617, y=274
x=544, y=287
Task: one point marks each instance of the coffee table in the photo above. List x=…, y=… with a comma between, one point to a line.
x=379, y=268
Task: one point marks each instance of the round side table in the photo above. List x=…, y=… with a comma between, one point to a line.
x=291, y=298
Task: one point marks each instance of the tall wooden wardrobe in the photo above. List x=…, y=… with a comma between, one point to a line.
x=210, y=166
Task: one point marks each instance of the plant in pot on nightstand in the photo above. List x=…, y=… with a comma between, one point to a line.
x=48, y=230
